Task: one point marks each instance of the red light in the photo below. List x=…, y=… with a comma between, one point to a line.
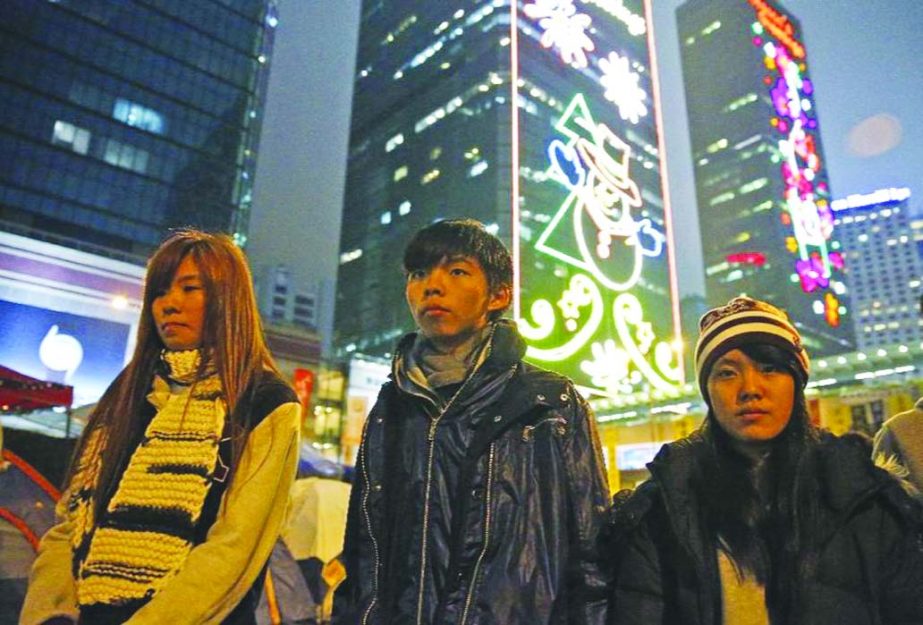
x=757, y=259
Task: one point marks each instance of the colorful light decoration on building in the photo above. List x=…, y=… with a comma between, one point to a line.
x=593, y=165
x=563, y=28
x=622, y=87
x=778, y=25
x=807, y=210
x=635, y=23
x=594, y=319
x=757, y=259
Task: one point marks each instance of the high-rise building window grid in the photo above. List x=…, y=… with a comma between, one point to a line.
x=91, y=43
x=71, y=34
x=183, y=130
x=531, y=104
x=735, y=75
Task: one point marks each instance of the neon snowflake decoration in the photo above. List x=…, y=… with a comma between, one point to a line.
x=563, y=28
x=622, y=88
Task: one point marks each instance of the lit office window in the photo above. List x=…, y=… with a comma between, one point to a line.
x=350, y=256
x=138, y=116
x=126, y=156
x=394, y=142
x=429, y=176
x=70, y=136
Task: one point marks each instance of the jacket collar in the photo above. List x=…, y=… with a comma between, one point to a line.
x=673, y=469
x=845, y=471
x=504, y=349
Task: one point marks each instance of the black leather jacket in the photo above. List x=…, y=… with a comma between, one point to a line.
x=869, y=568
x=487, y=512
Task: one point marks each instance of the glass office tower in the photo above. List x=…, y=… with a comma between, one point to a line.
x=540, y=118
x=761, y=184
x=123, y=119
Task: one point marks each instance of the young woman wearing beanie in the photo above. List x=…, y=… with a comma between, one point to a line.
x=180, y=483
x=759, y=517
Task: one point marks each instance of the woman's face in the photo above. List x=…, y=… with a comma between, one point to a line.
x=751, y=401
x=179, y=311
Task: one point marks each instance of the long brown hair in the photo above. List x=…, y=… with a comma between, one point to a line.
x=770, y=532
x=232, y=334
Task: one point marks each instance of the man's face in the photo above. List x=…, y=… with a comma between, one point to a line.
x=751, y=401
x=451, y=300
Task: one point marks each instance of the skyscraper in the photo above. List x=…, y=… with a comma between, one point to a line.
x=539, y=118
x=885, y=267
x=123, y=119
x=761, y=185
x=119, y=121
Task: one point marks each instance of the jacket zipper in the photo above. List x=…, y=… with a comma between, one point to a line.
x=368, y=522
x=431, y=437
x=487, y=501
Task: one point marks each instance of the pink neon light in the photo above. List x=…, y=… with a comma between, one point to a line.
x=665, y=188
x=811, y=272
x=514, y=157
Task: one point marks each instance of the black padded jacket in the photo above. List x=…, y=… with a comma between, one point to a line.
x=485, y=512
x=869, y=567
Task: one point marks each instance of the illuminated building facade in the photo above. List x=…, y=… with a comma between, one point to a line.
x=123, y=119
x=885, y=267
x=761, y=185
x=572, y=177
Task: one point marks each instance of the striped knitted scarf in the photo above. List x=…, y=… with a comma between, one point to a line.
x=149, y=524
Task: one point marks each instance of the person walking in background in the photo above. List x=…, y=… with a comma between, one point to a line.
x=180, y=482
x=759, y=517
x=900, y=441
x=480, y=488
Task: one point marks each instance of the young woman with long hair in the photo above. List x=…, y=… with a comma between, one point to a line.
x=180, y=482
x=759, y=516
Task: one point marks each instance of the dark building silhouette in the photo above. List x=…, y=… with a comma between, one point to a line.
x=761, y=185
x=124, y=119
x=539, y=119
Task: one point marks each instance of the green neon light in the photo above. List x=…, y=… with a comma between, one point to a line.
x=592, y=163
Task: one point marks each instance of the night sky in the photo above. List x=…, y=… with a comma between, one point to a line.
x=862, y=57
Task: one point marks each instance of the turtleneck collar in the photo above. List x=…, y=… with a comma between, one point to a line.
x=182, y=366
x=445, y=367
x=497, y=348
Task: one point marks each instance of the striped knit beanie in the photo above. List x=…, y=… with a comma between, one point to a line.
x=739, y=322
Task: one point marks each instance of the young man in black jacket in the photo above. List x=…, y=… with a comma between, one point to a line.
x=480, y=488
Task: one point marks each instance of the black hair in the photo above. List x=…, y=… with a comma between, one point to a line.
x=452, y=238
x=766, y=515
